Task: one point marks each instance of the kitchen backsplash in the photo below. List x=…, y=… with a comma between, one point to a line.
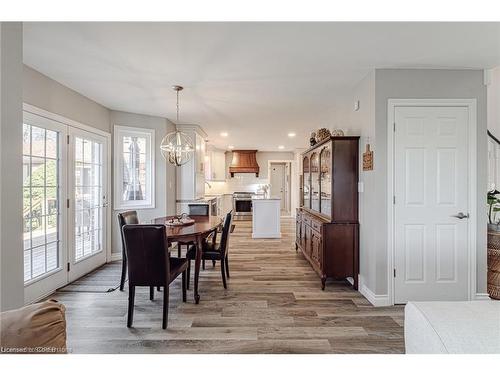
x=240, y=182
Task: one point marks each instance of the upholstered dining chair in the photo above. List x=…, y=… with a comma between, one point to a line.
x=150, y=264
x=124, y=218
x=213, y=251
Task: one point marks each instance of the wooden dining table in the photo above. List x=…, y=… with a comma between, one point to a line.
x=196, y=233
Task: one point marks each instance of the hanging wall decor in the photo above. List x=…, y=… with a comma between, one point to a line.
x=368, y=159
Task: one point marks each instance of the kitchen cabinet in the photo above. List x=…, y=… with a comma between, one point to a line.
x=190, y=179
x=215, y=164
x=327, y=220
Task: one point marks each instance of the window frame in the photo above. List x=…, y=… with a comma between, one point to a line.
x=119, y=132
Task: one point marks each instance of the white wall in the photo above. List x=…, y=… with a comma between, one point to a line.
x=164, y=172
x=11, y=246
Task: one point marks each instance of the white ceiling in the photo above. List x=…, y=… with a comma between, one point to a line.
x=257, y=81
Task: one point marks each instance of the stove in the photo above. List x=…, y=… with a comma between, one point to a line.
x=242, y=205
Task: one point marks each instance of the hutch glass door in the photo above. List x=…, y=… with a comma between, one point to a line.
x=315, y=182
x=307, y=181
x=325, y=181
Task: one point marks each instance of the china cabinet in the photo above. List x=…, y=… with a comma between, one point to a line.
x=327, y=227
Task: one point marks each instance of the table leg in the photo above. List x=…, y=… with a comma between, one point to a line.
x=197, y=263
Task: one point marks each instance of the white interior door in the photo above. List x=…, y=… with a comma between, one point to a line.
x=277, y=180
x=431, y=190
x=88, y=202
x=44, y=209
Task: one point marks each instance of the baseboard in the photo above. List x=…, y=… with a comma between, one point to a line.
x=376, y=300
x=482, y=297
x=116, y=256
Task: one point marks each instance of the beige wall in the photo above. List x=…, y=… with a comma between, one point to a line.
x=493, y=90
x=45, y=93
x=11, y=246
x=370, y=121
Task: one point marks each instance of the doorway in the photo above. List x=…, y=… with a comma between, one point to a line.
x=432, y=204
x=280, y=181
x=65, y=188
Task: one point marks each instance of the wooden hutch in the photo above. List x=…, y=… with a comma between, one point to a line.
x=327, y=220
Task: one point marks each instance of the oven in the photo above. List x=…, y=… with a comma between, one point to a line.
x=242, y=205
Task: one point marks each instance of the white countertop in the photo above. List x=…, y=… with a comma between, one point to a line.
x=261, y=198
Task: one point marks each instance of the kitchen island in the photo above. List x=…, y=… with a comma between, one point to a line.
x=266, y=217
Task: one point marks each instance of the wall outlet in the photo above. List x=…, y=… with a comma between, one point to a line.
x=361, y=187
x=356, y=105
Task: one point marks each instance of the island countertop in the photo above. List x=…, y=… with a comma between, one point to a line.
x=262, y=198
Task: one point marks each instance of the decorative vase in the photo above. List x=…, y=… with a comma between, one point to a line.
x=312, y=139
x=338, y=133
x=493, y=284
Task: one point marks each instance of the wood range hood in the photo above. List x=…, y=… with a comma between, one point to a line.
x=244, y=161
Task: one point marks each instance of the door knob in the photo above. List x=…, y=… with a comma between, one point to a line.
x=461, y=215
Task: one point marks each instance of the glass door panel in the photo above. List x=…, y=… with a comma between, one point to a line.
x=89, y=185
x=326, y=181
x=315, y=182
x=44, y=168
x=306, y=190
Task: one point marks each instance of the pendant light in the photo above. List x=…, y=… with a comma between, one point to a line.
x=177, y=147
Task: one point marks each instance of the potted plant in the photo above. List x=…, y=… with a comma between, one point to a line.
x=494, y=207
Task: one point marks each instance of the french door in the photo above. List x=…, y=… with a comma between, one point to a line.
x=44, y=214
x=87, y=205
x=64, y=204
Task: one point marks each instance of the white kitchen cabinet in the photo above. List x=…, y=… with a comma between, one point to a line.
x=215, y=164
x=190, y=179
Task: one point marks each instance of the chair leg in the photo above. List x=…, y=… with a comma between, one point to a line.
x=178, y=250
x=184, y=286
x=203, y=264
x=165, y=307
x=124, y=271
x=131, y=297
x=151, y=293
x=227, y=266
x=188, y=274
x=213, y=263
x=223, y=271
x=158, y=288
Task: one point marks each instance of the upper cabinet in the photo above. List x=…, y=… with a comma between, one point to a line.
x=330, y=179
x=190, y=180
x=215, y=164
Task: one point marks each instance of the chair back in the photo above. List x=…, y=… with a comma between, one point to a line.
x=127, y=217
x=146, y=247
x=226, y=230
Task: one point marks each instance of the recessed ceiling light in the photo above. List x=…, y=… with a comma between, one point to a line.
x=281, y=147
x=291, y=135
x=223, y=134
x=230, y=147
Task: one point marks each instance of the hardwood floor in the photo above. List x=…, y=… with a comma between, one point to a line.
x=273, y=304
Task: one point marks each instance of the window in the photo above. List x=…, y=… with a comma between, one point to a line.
x=134, y=167
x=41, y=233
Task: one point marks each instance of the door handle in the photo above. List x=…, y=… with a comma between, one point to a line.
x=461, y=215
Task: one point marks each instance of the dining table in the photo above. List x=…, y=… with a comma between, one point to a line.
x=196, y=233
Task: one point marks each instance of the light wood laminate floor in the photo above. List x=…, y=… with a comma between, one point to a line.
x=273, y=304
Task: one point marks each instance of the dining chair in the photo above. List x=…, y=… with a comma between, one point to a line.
x=124, y=218
x=150, y=264
x=213, y=251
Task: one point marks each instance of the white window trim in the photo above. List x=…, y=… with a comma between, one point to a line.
x=118, y=133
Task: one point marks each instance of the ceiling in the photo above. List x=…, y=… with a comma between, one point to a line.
x=255, y=81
